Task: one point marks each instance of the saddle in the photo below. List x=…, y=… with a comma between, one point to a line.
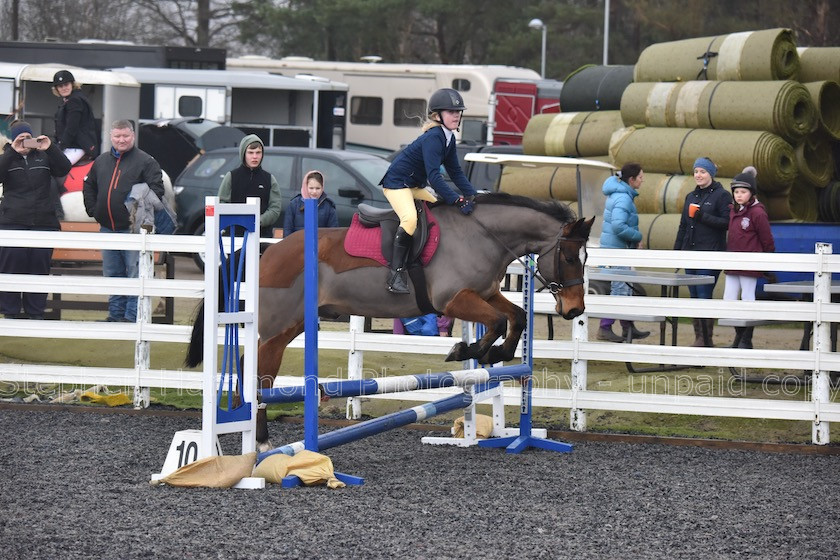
x=387, y=220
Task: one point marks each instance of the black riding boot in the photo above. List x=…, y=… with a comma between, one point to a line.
x=397, y=279
x=746, y=340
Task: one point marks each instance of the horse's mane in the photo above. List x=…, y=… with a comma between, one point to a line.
x=553, y=208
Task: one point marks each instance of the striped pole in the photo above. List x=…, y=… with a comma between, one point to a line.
x=358, y=387
x=376, y=425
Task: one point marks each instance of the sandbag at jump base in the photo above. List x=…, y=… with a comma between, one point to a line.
x=783, y=107
x=570, y=134
x=769, y=54
x=674, y=150
x=665, y=194
x=817, y=64
x=826, y=97
x=595, y=88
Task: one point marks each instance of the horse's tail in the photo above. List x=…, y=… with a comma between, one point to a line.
x=195, y=350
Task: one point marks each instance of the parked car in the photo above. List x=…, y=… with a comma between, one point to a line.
x=350, y=177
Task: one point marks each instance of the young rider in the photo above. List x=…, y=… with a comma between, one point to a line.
x=419, y=162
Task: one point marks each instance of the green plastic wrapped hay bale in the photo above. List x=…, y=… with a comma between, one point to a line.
x=826, y=97
x=665, y=194
x=557, y=183
x=769, y=54
x=815, y=160
x=571, y=134
x=783, y=107
x=817, y=64
x=674, y=150
x=659, y=231
x=595, y=88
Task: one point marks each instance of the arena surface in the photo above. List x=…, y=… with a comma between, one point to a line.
x=75, y=485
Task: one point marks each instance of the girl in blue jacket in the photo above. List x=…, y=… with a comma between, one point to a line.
x=621, y=231
x=419, y=162
x=312, y=187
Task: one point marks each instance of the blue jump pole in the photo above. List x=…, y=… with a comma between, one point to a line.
x=517, y=444
x=310, y=322
x=358, y=387
x=377, y=425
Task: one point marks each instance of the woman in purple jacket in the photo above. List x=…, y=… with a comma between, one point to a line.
x=749, y=231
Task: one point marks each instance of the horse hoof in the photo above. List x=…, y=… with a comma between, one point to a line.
x=457, y=353
x=264, y=446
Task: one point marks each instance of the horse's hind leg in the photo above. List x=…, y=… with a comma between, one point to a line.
x=268, y=363
x=467, y=305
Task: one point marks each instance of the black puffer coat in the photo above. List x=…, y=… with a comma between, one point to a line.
x=75, y=126
x=706, y=231
x=29, y=196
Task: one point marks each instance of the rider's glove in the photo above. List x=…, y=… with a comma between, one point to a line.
x=465, y=205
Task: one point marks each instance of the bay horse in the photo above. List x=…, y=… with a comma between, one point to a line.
x=463, y=279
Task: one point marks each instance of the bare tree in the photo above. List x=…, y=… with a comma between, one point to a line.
x=193, y=23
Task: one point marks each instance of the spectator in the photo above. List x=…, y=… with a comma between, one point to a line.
x=28, y=203
x=420, y=161
x=251, y=180
x=313, y=187
x=749, y=231
x=75, y=126
x=430, y=324
x=621, y=231
x=703, y=224
x=107, y=186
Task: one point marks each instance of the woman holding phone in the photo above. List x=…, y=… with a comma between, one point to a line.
x=27, y=167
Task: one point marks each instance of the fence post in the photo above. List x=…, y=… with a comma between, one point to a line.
x=355, y=361
x=822, y=344
x=142, y=353
x=580, y=333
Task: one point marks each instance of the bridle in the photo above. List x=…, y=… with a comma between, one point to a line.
x=554, y=287
x=557, y=287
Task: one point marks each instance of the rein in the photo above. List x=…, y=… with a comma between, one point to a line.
x=553, y=287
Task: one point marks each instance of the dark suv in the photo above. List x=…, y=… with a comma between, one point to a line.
x=350, y=178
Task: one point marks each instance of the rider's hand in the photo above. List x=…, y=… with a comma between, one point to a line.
x=465, y=205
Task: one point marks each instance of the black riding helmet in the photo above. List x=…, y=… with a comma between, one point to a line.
x=63, y=77
x=446, y=99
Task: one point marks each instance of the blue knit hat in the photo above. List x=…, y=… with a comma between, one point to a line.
x=19, y=128
x=707, y=164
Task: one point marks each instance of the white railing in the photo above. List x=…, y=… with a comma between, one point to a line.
x=818, y=409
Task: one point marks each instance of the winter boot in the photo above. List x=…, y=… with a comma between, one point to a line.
x=635, y=334
x=746, y=340
x=397, y=280
x=739, y=334
x=698, y=333
x=607, y=335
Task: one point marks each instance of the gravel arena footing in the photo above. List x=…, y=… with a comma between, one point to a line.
x=77, y=486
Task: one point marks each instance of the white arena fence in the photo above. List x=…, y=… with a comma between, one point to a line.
x=817, y=408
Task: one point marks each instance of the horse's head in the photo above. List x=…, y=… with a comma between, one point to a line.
x=563, y=265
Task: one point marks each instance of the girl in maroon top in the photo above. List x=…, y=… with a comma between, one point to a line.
x=749, y=231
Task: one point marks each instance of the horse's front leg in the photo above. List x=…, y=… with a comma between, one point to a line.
x=467, y=305
x=517, y=319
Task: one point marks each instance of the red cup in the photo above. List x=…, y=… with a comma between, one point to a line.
x=692, y=209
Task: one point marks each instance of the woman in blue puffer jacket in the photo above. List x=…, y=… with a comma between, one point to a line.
x=621, y=231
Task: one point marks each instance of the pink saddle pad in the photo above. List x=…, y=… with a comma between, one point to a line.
x=362, y=241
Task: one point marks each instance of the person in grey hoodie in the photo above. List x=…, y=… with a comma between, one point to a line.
x=251, y=180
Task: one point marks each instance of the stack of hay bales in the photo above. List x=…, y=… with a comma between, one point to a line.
x=740, y=99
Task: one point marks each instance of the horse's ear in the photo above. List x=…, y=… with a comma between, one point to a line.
x=579, y=228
